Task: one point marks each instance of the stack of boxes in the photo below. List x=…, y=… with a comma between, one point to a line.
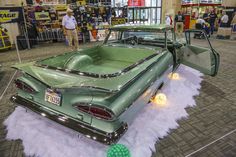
x=224, y=32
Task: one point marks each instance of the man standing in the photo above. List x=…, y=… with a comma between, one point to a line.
x=224, y=20
x=168, y=19
x=212, y=19
x=179, y=23
x=69, y=27
x=206, y=15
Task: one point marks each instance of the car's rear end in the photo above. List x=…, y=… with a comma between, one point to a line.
x=98, y=106
x=70, y=107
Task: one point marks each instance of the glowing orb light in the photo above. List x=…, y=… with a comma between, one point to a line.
x=174, y=76
x=160, y=99
x=118, y=150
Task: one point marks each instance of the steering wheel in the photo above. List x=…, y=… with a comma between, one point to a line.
x=134, y=40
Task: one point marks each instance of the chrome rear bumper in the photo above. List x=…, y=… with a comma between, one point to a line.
x=88, y=131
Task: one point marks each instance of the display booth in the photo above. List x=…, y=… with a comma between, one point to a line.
x=138, y=11
x=42, y=19
x=9, y=16
x=91, y=16
x=230, y=30
x=4, y=39
x=195, y=8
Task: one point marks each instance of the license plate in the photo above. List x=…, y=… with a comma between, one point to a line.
x=53, y=97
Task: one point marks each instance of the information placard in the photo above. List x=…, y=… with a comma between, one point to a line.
x=11, y=14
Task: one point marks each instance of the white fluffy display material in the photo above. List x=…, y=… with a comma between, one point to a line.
x=44, y=138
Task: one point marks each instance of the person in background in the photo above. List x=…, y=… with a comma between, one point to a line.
x=224, y=20
x=233, y=23
x=212, y=19
x=32, y=31
x=70, y=29
x=206, y=15
x=121, y=14
x=179, y=23
x=200, y=21
x=2, y=28
x=207, y=27
x=113, y=13
x=203, y=25
x=193, y=16
x=219, y=15
x=168, y=20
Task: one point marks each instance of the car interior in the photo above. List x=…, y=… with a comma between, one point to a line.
x=100, y=60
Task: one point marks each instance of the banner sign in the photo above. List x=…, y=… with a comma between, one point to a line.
x=81, y=2
x=201, y=1
x=136, y=3
x=42, y=16
x=118, y=20
x=50, y=2
x=187, y=1
x=206, y=1
x=11, y=14
x=61, y=7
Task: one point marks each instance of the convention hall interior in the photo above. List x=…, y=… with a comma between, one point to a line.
x=117, y=78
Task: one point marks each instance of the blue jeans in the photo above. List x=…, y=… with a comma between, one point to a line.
x=223, y=24
x=212, y=25
x=207, y=30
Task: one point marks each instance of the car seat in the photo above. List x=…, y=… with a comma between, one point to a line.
x=78, y=61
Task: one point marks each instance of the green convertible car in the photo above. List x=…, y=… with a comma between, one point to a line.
x=100, y=90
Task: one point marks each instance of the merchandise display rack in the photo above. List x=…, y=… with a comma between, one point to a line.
x=4, y=40
x=91, y=16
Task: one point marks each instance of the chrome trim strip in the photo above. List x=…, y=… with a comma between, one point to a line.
x=88, y=131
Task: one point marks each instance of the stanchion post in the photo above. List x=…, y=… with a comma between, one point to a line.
x=17, y=50
x=26, y=31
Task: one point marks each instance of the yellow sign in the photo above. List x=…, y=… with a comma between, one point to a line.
x=61, y=7
x=42, y=16
x=81, y=2
x=118, y=21
x=7, y=16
